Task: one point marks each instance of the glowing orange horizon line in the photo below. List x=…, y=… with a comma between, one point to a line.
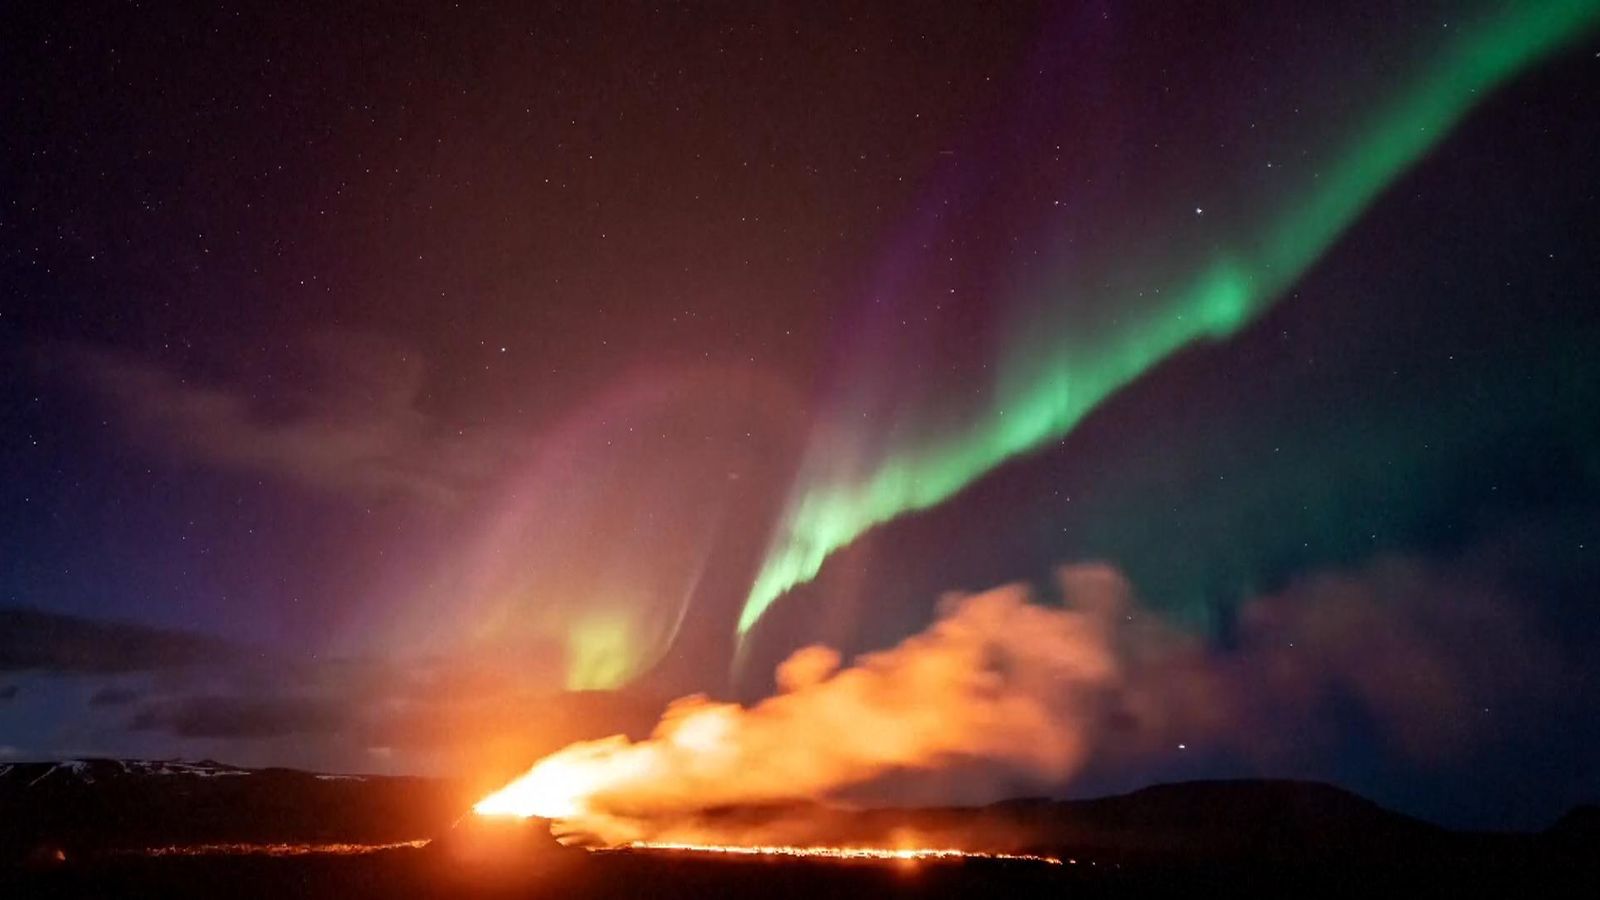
x=872, y=853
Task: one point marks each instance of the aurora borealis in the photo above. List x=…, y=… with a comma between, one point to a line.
x=425, y=389
x=1045, y=385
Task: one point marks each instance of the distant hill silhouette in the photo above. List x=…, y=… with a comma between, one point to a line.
x=95, y=807
x=1256, y=819
x=1581, y=826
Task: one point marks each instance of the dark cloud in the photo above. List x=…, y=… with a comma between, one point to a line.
x=458, y=714
x=8, y=692
x=350, y=420
x=242, y=717
x=1398, y=640
x=111, y=695
x=32, y=640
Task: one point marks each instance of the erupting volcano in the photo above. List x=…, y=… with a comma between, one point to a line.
x=1000, y=694
x=996, y=679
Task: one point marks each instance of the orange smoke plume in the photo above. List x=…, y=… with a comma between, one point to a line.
x=994, y=678
x=1000, y=691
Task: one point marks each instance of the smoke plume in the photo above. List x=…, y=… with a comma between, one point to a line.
x=1009, y=693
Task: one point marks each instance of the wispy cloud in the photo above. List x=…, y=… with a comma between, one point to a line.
x=352, y=420
x=37, y=641
x=242, y=717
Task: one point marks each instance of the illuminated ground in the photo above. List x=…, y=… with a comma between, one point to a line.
x=415, y=873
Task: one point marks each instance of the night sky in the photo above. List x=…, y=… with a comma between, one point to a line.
x=421, y=387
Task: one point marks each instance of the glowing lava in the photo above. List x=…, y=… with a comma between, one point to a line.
x=280, y=849
x=560, y=785
x=915, y=854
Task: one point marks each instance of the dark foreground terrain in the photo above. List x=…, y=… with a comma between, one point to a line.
x=107, y=828
x=417, y=873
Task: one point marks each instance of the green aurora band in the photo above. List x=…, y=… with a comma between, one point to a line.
x=1044, y=390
